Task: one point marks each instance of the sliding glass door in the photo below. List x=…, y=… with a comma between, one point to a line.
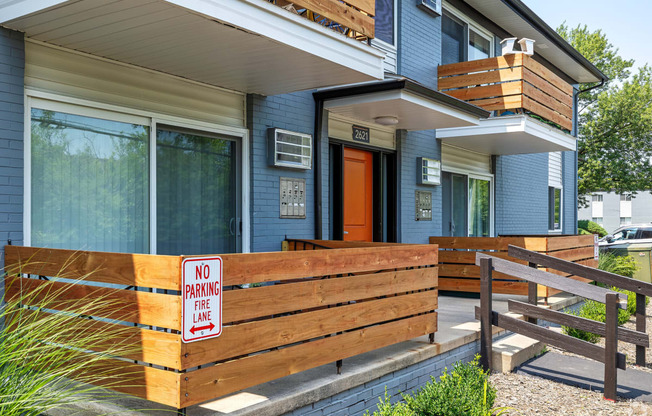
x=466, y=209
x=97, y=185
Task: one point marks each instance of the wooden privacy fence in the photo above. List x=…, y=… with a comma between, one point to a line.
x=316, y=307
x=608, y=355
x=458, y=271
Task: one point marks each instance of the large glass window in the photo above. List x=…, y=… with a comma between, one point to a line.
x=479, y=208
x=554, y=208
x=384, y=21
x=462, y=40
x=89, y=183
x=196, y=184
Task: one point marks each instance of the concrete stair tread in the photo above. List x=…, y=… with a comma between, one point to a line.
x=513, y=350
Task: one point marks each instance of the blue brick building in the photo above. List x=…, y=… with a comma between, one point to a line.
x=198, y=126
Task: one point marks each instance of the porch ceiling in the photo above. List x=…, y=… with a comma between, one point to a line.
x=415, y=107
x=251, y=46
x=509, y=135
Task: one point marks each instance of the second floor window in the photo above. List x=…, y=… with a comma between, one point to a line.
x=384, y=27
x=463, y=40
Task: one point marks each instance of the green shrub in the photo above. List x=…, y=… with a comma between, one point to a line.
x=622, y=265
x=463, y=391
x=591, y=227
x=460, y=392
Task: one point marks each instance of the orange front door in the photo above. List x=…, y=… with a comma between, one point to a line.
x=358, y=195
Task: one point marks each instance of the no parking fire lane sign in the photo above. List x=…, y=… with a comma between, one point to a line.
x=201, y=292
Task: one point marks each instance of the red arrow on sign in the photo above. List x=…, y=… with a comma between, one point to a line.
x=201, y=328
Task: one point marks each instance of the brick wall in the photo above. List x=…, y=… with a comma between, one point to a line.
x=12, y=68
x=419, y=44
x=293, y=112
x=406, y=380
x=412, y=145
x=522, y=194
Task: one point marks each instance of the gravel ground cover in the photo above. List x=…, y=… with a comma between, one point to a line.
x=528, y=395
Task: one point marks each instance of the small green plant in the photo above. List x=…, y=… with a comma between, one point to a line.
x=41, y=352
x=622, y=265
x=591, y=228
x=464, y=391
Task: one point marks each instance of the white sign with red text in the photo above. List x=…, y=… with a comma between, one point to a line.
x=596, y=248
x=201, y=292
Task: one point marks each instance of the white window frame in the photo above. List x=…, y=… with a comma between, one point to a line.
x=471, y=25
x=484, y=177
x=561, y=209
x=56, y=102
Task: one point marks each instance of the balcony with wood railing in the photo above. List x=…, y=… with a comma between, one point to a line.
x=352, y=18
x=511, y=84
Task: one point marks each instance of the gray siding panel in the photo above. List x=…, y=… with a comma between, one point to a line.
x=12, y=70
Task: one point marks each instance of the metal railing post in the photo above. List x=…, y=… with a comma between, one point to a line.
x=486, y=331
x=611, y=347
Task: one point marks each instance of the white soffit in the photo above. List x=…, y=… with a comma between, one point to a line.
x=251, y=46
x=413, y=111
x=509, y=135
x=504, y=16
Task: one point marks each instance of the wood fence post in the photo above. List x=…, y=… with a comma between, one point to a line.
x=532, y=295
x=485, y=314
x=640, y=327
x=611, y=347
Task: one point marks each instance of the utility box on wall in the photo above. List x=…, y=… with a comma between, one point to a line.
x=289, y=149
x=423, y=205
x=293, y=198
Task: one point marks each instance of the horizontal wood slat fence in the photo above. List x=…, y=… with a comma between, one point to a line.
x=282, y=312
x=510, y=82
x=458, y=271
x=608, y=354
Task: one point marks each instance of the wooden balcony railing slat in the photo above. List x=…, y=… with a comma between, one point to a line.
x=542, y=98
x=510, y=102
x=545, y=112
x=487, y=91
x=264, y=334
x=340, y=13
x=501, y=75
x=543, y=85
x=488, y=64
x=367, y=6
x=257, y=302
x=548, y=75
x=222, y=379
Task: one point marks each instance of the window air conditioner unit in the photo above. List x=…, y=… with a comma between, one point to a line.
x=432, y=7
x=289, y=149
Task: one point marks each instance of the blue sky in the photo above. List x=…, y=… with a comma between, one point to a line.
x=627, y=23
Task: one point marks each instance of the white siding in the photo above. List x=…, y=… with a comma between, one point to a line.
x=455, y=159
x=341, y=128
x=555, y=170
x=390, y=51
x=68, y=73
x=625, y=208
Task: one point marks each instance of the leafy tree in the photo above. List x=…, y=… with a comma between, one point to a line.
x=615, y=129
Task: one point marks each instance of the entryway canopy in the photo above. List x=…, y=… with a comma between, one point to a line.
x=402, y=103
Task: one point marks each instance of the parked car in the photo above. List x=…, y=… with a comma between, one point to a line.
x=628, y=234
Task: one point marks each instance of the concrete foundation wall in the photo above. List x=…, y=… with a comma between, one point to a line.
x=407, y=380
x=12, y=71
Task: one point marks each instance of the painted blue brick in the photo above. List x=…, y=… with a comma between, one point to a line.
x=570, y=186
x=12, y=73
x=522, y=194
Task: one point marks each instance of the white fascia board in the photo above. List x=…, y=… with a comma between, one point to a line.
x=440, y=108
x=377, y=97
x=268, y=20
x=513, y=124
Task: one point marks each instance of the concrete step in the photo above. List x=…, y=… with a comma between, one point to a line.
x=513, y=350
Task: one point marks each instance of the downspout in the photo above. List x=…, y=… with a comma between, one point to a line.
x=319, y=110
x=576, y=133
